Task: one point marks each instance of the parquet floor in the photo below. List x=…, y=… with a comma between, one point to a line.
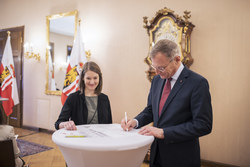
x=50, y=158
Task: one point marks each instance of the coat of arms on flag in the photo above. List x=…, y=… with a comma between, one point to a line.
x=8, y=79
x=77, y=59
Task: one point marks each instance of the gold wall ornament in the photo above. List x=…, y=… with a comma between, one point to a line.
x=88, y=54
x=29, y=52
x=167, y=25
x=30, y=55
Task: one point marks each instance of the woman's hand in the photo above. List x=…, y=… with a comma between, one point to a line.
x=68, y=125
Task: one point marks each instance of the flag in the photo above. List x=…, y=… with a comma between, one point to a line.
x=8, y=79
x=77, y=59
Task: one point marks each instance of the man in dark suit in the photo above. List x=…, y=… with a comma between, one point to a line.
x=179, y=105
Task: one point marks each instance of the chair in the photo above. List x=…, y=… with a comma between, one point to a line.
x=7, y=158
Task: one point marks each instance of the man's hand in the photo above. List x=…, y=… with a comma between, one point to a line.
x=127, y=126
x=69, y=125
x=152, y=131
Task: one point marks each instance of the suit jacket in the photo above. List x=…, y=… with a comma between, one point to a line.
x=186, y=115
x=6, y=133
x=75, y=107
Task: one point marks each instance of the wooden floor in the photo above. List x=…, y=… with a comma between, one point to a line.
x=51, y=158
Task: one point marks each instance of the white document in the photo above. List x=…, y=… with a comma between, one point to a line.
x=112, y=130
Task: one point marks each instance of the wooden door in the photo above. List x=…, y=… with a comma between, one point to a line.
x=16, y=38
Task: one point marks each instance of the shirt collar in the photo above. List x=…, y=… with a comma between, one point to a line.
x=178, y=72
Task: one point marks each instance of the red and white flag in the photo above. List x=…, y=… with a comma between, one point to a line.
x=77, y=59
x=8, y=79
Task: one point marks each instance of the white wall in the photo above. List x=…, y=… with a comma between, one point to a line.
x=113, y=31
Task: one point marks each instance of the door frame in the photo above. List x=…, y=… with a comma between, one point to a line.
x=7, y=119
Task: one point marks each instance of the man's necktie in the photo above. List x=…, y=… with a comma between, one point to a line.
x=165, y=93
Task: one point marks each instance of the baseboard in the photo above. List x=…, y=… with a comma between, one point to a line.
x=32, y=128
x=207, y=163
x=204, y=163
x=46, y=131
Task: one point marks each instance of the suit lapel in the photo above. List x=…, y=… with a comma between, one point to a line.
x=177, y=86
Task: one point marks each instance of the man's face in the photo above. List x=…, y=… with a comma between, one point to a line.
x=164, y=66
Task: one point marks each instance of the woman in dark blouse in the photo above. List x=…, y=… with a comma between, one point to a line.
x=88, y=105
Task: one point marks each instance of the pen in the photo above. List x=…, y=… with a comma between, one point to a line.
x=126, y=119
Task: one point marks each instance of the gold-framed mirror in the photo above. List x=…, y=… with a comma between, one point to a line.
x=61, y=31
x=168, y=25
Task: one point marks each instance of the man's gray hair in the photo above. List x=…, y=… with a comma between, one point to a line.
x=169, y=48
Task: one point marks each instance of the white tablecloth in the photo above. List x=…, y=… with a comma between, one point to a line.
x=102, y=145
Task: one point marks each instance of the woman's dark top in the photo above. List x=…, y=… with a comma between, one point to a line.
x=75, y=108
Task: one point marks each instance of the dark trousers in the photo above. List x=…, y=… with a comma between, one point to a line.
x=157, y=160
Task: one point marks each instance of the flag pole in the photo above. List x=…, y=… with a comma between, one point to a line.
x=8, y=117
x=8, y=120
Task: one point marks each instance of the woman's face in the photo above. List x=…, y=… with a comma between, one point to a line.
x=91, y=80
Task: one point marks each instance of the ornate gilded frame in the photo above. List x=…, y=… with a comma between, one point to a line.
x=168, y=25
x=48, y=18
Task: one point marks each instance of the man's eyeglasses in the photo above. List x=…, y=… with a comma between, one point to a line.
x=161, y=69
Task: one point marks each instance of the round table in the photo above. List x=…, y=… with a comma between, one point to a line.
x=102, y=145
